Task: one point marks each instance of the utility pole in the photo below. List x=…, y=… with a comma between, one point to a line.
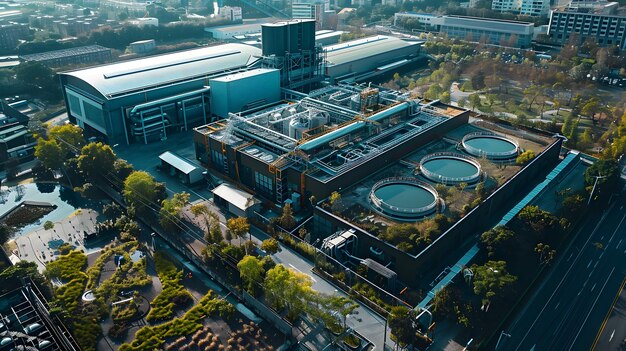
x=594, y=187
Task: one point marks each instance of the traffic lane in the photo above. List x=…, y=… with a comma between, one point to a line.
x=579, y=328
x=578, y=308
x=563, y=309
x=613, y=332
x=546, y=292
x=539, y=303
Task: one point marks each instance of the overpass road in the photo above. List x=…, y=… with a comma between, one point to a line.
x=568, y=309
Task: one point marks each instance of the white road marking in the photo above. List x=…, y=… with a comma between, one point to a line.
x=557, y=305
x=612, y=335
x=570, y=256
x=593, y=287
x=589, y=264
x=619, y=243
x=592, y=307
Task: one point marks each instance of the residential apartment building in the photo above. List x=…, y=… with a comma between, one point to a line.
x=10, y=36
x=523, y=7
x=605, y=29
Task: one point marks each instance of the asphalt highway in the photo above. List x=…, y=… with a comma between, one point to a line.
x=568, y=309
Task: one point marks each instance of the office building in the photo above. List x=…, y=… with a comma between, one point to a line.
x=607, y=30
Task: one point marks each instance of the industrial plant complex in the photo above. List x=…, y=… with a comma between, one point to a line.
x=317, y=127
x=298, y=123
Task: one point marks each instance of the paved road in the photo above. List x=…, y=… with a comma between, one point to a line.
x=570, y=305
x=364, y=321
x=612, y=333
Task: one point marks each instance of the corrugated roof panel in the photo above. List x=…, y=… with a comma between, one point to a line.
x=363, y=48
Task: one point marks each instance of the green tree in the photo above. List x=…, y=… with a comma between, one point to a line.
x=270, y=246
x=402, y=328
x=531, y=94
x=539, y=221
x=491, y=280
x=48, y=225
x=140, y=191
x=497, y=241
x=573, y=205
x=445, y=97
x=238, y=227
x=586, y=139
x=545, y=253
x=608, y=184
x=287, y=289
x=251, y=271
x=444, y=301
x=69, y=136
x=474, y=101
x=171, y=211
x=11, y=276
x=49, y=152
x=287, y=220
x=96, y=160
x=525, y=157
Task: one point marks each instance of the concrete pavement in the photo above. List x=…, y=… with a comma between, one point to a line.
x=569, y=306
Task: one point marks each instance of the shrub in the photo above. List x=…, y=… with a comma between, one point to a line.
x=174, y=293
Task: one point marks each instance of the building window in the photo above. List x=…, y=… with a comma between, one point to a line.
x=264, y=184
x=218, y=160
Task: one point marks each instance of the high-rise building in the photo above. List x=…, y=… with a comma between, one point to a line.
x=310, y=9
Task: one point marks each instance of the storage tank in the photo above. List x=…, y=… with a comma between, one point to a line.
x=317, y=119
x=297, y=126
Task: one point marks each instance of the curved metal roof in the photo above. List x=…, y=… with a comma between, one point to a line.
x=358, y=49
x=127, y=76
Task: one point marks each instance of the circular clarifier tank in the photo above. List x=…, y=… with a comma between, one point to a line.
x=450, y=168
x=403, y=198
x=491, y=146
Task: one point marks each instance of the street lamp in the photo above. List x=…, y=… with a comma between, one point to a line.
x=594, y=187
x=500, y=338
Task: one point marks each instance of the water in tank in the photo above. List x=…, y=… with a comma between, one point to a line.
x=297, y=126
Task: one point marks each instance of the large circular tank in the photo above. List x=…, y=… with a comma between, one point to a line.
x=450, y=168
x=491, y=146
x=405, y=199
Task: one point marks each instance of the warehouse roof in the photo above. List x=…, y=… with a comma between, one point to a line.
x=178, y=162
x=238, y=198
x=128, y=76
x=362, y=48
x=51, y=55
